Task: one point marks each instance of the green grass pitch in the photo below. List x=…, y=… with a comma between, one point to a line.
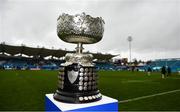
x=25, y=90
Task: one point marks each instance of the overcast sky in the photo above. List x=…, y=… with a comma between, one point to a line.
x=153, y=24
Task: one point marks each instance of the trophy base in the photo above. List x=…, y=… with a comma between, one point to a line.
x=106, y=104
x=78, y=80
x=77, y=97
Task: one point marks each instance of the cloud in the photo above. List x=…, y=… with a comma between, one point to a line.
x=153, y=24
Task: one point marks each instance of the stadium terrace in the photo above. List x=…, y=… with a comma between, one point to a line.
x=23, y=57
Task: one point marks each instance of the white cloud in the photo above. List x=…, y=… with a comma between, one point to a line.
x=153, y=24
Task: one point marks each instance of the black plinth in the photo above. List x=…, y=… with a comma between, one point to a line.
x=77, y=84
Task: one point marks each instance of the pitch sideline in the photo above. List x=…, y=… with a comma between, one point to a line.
x=148, y=96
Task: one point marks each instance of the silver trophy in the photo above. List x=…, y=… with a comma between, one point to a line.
x=78, y=76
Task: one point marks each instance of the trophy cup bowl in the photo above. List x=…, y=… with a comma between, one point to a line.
x=78, y=75
x=80, y=28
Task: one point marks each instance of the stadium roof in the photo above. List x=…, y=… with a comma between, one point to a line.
x=44, y=52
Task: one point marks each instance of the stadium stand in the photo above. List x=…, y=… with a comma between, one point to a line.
x=109, y=66
x=156, y=65
x=22, y=57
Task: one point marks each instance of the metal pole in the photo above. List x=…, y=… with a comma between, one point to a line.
x=130, y=51
x=129, y=40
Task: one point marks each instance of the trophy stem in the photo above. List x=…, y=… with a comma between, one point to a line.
x=79, y=48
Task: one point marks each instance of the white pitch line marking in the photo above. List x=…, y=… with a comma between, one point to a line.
x=148, y=96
